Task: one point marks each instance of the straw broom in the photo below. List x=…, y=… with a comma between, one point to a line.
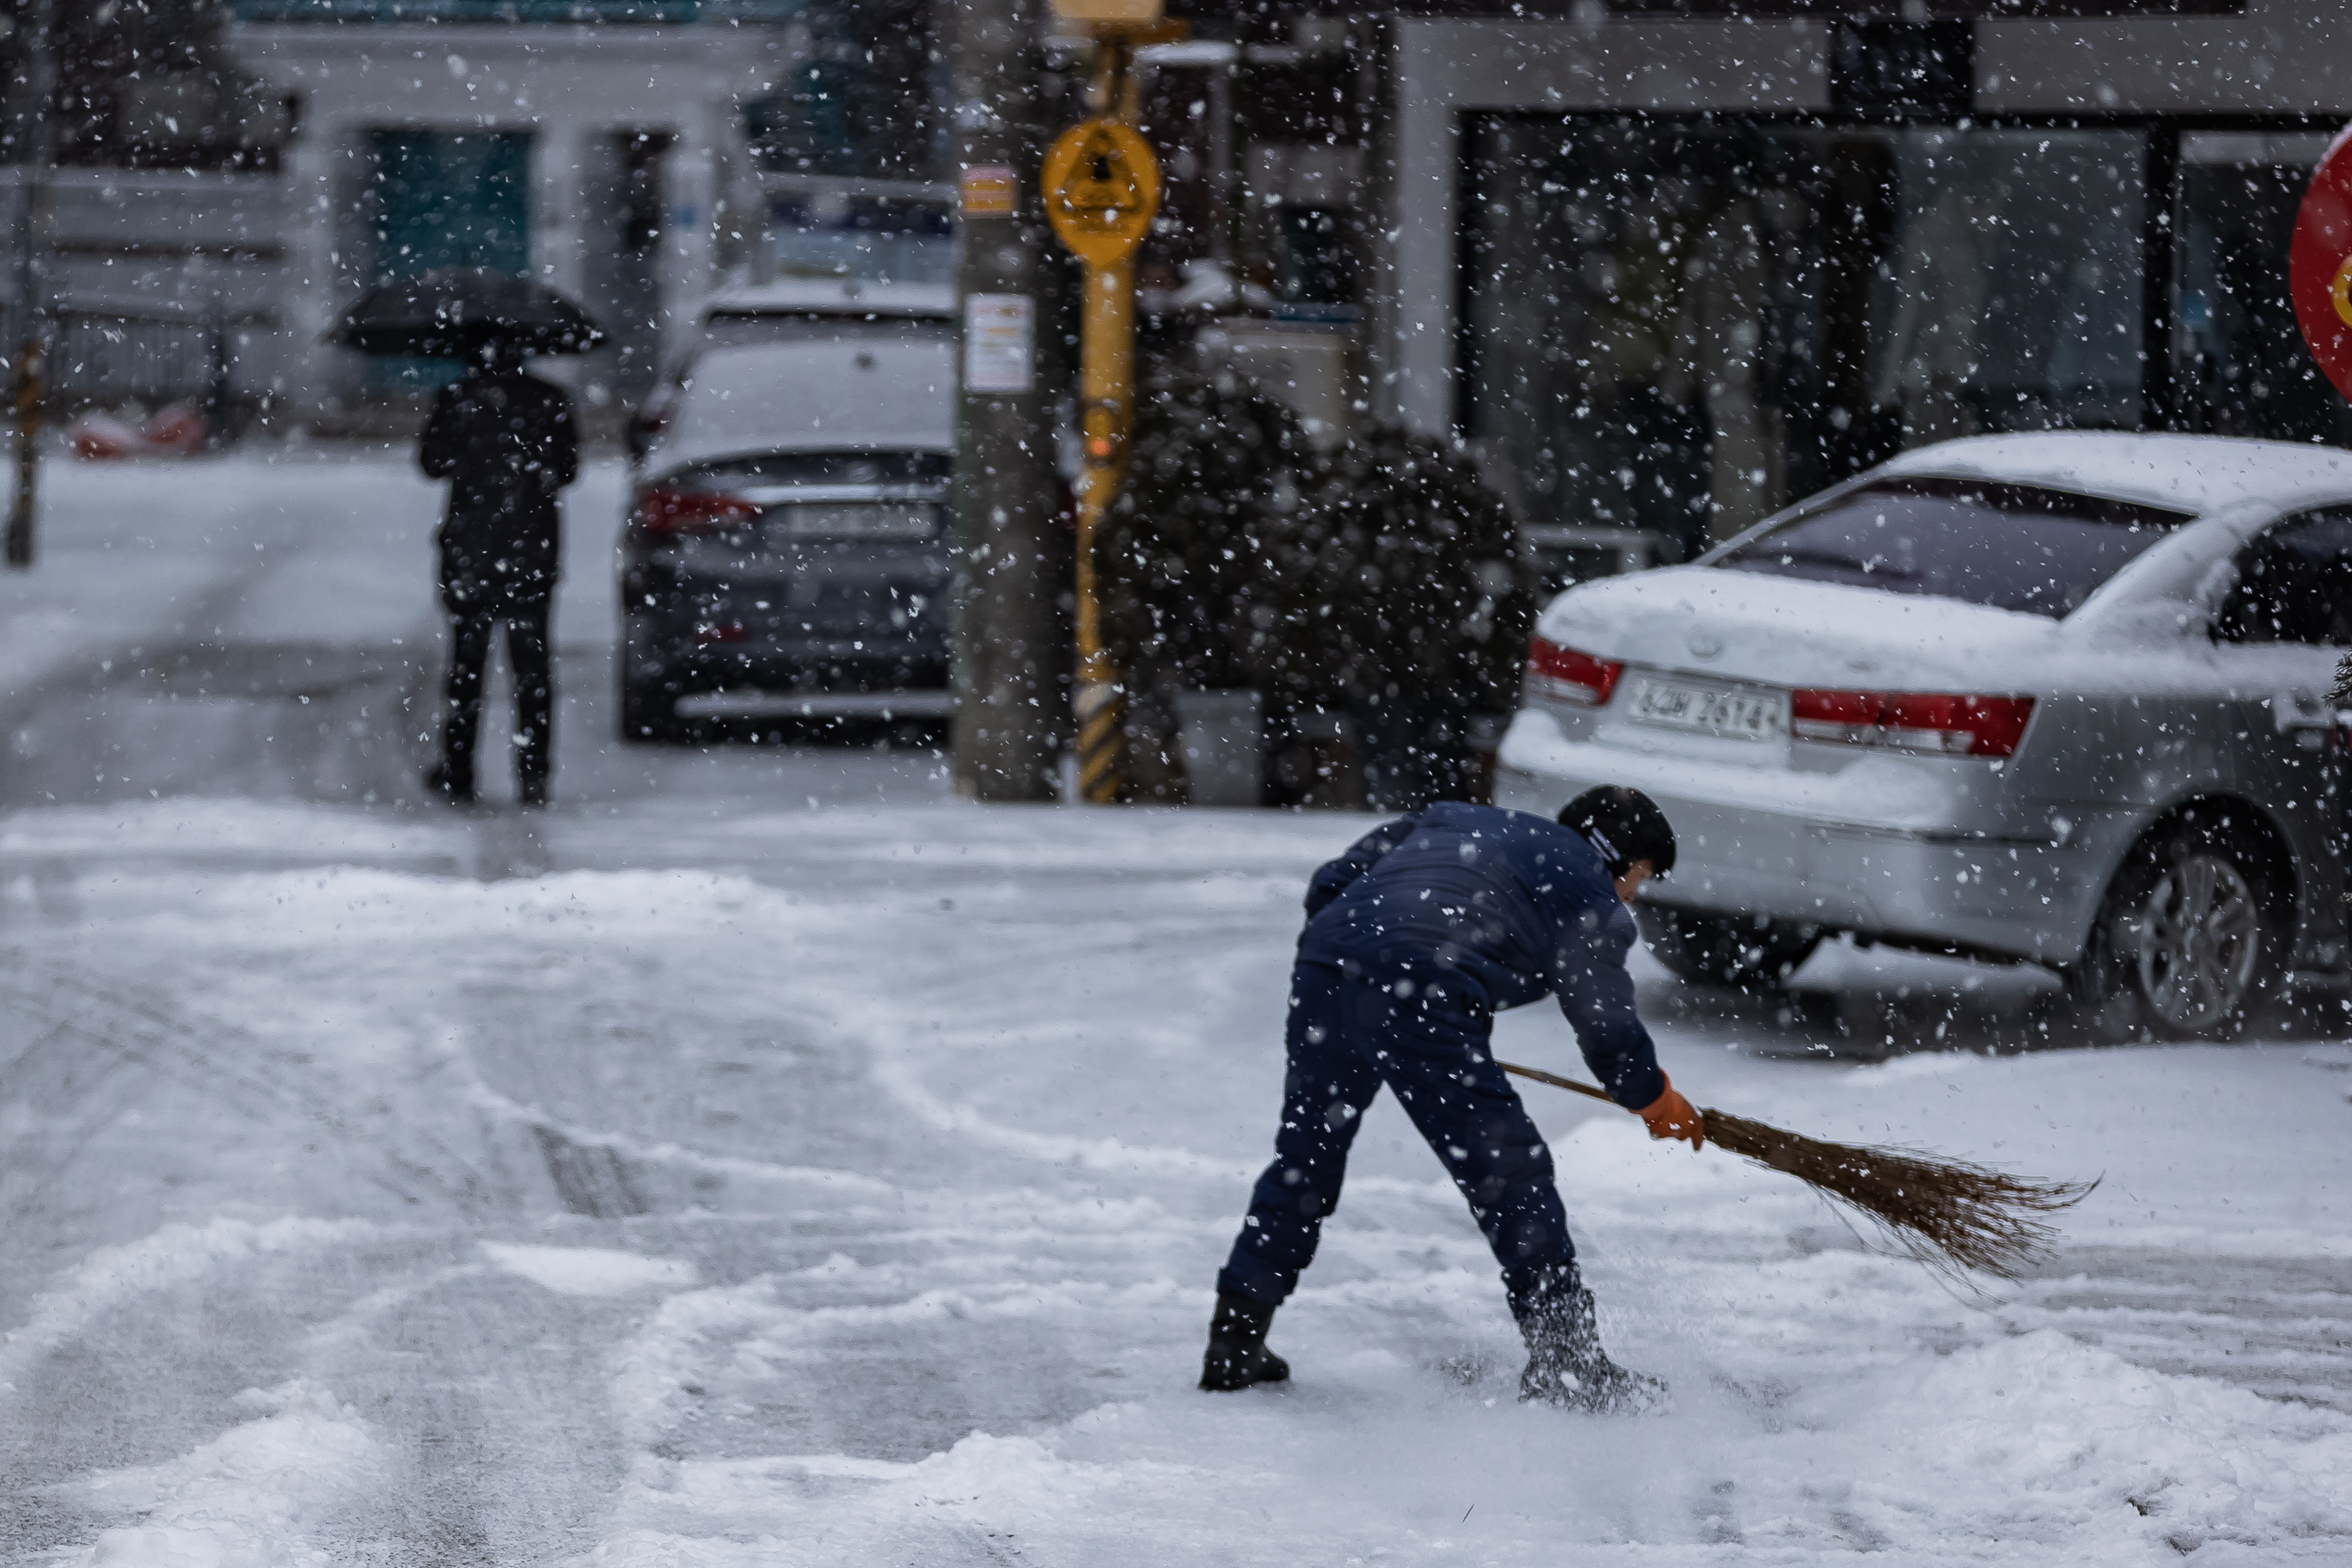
x=1943, y=1212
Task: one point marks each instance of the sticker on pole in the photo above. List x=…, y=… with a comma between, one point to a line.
x=2319, y=264
x=988, y=189
x=999, y=339
x=1102, y=190
x=1130, y=12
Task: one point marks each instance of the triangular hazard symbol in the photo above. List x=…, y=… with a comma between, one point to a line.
x=1103, y=182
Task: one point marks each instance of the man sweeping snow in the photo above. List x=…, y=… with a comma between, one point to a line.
x=1415, y=938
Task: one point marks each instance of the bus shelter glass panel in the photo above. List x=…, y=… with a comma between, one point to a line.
x=1677, y=328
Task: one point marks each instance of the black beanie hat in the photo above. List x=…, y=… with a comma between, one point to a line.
x=1624, y=826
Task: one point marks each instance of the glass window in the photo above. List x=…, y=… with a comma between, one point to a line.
x=2013, y=298
x=741, y=329
x=2240, y=364
x=890, y=469
x=2294, y=586
x=857, y=101
x=439, y=198
x=2013, y=547
x=413, y=12
x=1679, y=328
x=881, y=241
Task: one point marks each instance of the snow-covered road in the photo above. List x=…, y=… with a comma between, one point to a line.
x=767, y=1159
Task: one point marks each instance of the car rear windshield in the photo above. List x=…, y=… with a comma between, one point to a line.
x=2014, y=547
x=735, y=330
x=891, y=468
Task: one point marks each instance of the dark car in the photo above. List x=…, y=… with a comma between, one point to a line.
x=787, y=556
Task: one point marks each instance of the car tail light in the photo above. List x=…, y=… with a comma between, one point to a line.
x=1912, y=720
x=1569, y=676
x=667, y=513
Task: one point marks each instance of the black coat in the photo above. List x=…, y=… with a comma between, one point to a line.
x=506, y=444
x=1511, y=902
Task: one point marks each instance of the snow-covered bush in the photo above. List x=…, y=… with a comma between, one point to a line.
x=1184, y=559
x=1403, y=576
x=1382, y=581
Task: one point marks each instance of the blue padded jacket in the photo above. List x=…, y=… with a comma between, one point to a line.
x=1514, y=902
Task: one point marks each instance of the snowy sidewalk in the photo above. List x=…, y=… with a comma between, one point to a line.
x=326, y=546
x=266, y=624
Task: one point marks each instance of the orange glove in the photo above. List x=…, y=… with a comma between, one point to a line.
x=1672, y=1116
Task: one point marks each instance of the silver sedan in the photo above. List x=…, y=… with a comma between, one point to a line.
x=2055, y=698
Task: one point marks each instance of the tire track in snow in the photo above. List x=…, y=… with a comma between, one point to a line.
x=139, y=1026
x=175, y=1256
x=2281, y=1328
x=554, y=1131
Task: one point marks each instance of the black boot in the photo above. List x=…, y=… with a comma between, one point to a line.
x=446, y=784
x=1566, y=1365
x=1238, y=1355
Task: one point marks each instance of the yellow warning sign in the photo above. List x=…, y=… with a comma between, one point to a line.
x=1102, y=190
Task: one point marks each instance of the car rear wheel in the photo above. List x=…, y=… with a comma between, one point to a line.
x=2189, y=940
x=1751, y=953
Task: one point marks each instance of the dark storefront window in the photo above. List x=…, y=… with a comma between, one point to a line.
x=861, y=101
x=331, y=11
x=450, y=199
x=446, y=199
x=2240, y=364
x=1677, y=328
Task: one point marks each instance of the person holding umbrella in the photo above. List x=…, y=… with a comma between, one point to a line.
x=504, y=441
x=507, y=443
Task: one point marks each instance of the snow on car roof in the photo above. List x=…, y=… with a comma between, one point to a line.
x=833, y=296
x=2193, y=473
x=813, y=397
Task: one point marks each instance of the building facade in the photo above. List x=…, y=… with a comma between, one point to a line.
x=219, y=211
x=1667, y=267
x=1670, y=272
x=602, y=156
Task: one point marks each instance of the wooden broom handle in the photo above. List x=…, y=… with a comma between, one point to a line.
x=1556, y=1080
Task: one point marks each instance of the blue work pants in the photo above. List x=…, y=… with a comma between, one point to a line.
x=1423, y=1031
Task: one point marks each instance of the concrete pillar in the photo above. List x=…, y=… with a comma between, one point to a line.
x=558, y=152
x=326, y=261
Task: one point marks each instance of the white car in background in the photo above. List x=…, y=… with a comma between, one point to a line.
x=2056, y=698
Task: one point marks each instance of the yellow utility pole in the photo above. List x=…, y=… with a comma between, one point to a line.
x=1102, y=191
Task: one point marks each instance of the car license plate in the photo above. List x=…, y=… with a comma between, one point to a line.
x=855, y=519
x=1710, y=710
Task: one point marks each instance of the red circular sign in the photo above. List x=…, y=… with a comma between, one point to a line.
x=2319, y=264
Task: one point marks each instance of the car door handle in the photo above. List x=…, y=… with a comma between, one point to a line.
x=2302, y=711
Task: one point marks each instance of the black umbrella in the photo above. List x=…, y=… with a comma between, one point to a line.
x=452, y=313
